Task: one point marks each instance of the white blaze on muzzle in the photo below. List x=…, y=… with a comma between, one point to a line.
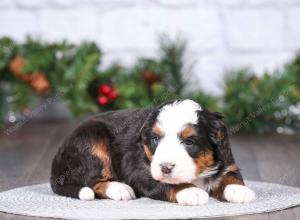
x=170, y=151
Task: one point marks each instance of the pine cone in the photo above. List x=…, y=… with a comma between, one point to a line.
x=39, y=82
x=16, y=66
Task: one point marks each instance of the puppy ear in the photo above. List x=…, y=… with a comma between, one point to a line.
x=218, y=135
x=148, y=124
x=144, y=142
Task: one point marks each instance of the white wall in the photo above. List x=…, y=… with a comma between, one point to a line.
x=222, y=34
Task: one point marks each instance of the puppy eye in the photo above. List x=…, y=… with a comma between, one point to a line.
x=189, y=142
x=154, y=139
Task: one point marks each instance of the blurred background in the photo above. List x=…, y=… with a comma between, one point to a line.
x=64, y=60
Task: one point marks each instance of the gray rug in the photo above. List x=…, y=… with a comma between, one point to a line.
x=39, y=200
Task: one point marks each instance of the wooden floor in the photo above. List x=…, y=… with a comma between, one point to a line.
x=26, y=154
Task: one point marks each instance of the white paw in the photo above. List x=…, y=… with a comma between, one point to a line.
x=238, y=193
x=192, y=196
x=119, y=191
x=86, y=193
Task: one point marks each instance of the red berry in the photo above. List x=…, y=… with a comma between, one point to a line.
x=113, y=95
x=103, y=100
x=105, y=89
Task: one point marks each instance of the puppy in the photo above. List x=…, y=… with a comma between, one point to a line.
x=177, y=152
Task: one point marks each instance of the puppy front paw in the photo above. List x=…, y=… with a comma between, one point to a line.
x=192, y=196
x=238, y=193
x=119, y=191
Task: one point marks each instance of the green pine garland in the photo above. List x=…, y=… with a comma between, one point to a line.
x=250, y=103
x=266, y=103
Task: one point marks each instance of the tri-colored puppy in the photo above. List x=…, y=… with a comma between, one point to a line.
x=177, y=152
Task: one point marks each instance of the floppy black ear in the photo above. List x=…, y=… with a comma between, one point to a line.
x=218, y=135
x=148, y=123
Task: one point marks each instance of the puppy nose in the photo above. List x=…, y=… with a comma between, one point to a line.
x=167, y=168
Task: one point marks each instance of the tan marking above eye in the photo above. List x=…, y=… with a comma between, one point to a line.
x=157, y=130
x=188, y=132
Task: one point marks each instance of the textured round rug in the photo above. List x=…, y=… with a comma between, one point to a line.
x=40, y=201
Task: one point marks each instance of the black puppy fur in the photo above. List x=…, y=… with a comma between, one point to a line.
x=111, y=147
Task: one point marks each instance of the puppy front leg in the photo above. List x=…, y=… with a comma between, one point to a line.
x=232, y=188
x=183, y=194
x=187, y=194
